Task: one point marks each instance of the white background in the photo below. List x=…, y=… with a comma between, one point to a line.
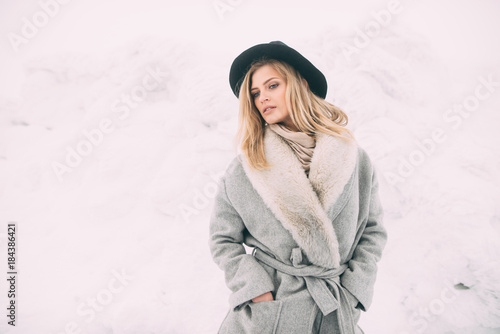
x=136, y=204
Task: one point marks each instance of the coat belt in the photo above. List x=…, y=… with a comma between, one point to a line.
x=317, y=280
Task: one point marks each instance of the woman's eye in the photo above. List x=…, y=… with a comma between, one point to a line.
x=273, y=86
x=255, y=94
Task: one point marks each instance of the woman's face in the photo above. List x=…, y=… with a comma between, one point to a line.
x=268, y=92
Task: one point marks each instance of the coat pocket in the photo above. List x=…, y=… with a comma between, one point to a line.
x=297, y=314
x=291, y=315
x=353, y=302
x=261, y=318
x=264, y=316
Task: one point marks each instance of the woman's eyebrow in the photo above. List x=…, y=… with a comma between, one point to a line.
x=265, y=82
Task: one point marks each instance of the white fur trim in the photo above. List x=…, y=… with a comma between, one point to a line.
x=300, y=203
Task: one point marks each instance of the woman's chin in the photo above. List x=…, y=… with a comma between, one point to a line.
x=271, y=121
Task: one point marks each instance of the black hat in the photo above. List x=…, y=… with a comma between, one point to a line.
x=279, y=51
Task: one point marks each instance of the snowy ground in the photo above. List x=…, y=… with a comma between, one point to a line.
x=116, y=120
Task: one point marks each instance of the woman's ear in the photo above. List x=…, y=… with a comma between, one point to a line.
x=305, y=82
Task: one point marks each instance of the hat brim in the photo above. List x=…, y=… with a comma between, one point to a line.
x=279, y=51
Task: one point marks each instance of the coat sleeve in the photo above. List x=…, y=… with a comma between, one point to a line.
x=359, y=278
x=245, y=277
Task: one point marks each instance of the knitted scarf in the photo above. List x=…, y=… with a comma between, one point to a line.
x=301, y=143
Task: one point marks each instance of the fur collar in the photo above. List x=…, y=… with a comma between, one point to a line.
x=301, y=203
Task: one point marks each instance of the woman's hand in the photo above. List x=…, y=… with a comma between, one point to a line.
x=267, y=297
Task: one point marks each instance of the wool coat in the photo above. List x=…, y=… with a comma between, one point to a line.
x=316, y=239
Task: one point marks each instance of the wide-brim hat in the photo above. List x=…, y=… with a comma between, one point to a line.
x=279, y=51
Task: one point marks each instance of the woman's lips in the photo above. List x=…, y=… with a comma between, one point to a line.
x=269, y=109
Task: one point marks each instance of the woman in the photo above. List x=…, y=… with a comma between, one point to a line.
x=304, y=195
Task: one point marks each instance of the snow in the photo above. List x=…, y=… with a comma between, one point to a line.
x=117, y=242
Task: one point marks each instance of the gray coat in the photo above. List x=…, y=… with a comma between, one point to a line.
x=317, y=239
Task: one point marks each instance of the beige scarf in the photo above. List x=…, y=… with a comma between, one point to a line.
x=301, y=143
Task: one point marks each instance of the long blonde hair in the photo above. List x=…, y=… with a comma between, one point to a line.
x=309, y=112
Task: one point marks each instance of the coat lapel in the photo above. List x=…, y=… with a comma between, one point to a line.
x=301, y=203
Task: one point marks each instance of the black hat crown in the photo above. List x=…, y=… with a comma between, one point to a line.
x=282, y=52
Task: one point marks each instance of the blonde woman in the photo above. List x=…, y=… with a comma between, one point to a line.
x=304, y=195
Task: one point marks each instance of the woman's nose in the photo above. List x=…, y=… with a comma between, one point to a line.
x=263, y=98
